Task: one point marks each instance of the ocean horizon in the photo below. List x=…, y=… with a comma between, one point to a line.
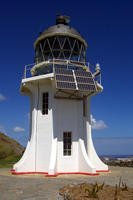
x=117, y=155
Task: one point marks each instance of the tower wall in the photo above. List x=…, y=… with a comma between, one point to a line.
x=67, y=119
x=44, y=129
x=44, y=152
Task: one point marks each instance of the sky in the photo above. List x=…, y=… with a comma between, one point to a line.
x=107, y=27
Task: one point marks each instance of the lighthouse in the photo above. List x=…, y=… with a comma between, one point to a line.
x=60, y=85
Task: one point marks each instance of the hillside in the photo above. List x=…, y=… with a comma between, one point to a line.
x=10, y=151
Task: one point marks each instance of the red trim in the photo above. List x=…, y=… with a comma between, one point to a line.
x=12, y=170
x=102, y=170
x=82, y=173
x=54, y=175
x=21, y=173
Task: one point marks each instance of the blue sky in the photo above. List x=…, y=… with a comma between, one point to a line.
x=107, y=27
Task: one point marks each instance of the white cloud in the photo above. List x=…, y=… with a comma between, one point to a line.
x=18, y=129
x=97, y=125
x=2, y=97
x=2, y=129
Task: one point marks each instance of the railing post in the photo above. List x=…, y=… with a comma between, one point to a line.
x=25, y=72
x=89, y=66
x=100, y=79
x=53, y=67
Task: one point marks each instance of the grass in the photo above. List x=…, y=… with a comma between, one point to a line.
x=8, y=163
x=10, y=151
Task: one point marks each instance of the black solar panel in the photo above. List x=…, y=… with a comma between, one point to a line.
x=83, y=73
x=64, y=78
x=84, y=80
x=63, y=71
x=66, y=85
x=91, y=88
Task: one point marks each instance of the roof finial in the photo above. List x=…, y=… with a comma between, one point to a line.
x=60, y=19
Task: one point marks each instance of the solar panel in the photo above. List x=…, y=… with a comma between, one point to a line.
x=63, y=71
x=86, y=87
x=74, y=80
x=66, y=85
x=84, y=80
x=64, y=78
x=83, y=73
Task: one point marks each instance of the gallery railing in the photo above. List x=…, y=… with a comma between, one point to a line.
x=48, y=66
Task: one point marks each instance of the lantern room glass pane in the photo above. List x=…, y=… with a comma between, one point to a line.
x=60, y=47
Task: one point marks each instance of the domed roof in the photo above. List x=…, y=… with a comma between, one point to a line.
x=61, y=28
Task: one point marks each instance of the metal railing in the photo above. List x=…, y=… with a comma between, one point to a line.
x=47, y=67
x=27, y=71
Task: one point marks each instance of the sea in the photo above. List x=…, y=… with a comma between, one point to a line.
x=116, y=156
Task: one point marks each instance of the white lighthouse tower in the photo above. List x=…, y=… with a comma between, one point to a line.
x=60, y=87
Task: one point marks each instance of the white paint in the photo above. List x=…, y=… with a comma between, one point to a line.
x=85, y=164
x=44, y=152
x=52, y=165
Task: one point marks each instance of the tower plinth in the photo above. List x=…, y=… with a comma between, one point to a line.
x=60, y=86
